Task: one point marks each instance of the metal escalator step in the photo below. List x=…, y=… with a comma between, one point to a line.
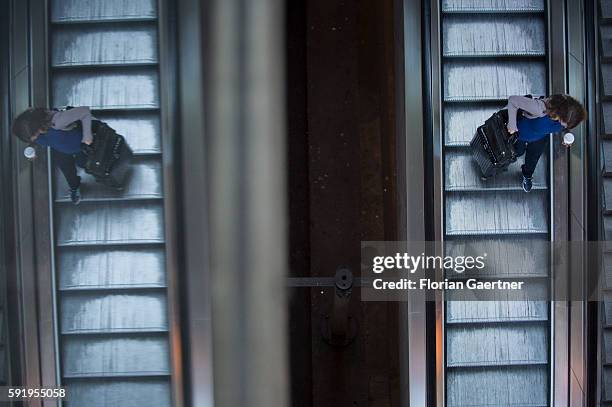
x=607, y=384
x=607, y=311
x=110, y=333
x=150, y=392
x=506, y=257
x=484, y=35
x=607, y=268
x=489, y=312
x=607, y=195
x=606, y=358
x=607, y=227
x=144, y=181
x=125, y=289
x=606, y=110
x=92, y=268
x=606, y=9
x=487, y=6
x=497, y=345
x=110, y=223
x=74, y=46
x=496, y=213
x=65, y=11
x=488, y=80
x=99, y=312
x=118, y=89
x=606, y=150
x=606, y=80
x=140, y=129
x=463, y=174
x=127, y=356
x=606, y=41
x=461, y=122
x=524, y=386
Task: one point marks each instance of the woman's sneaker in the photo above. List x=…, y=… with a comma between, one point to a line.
x=75, y=195
x=527, y=183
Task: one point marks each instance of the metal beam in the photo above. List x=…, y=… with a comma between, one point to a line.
x=169, y=139
x=557, y=71
x=231, y=74
x=411, y=194
x=245, y=141
x=192, y=218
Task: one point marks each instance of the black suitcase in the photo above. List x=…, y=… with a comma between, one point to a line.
x=109, y=156
x=492, y=145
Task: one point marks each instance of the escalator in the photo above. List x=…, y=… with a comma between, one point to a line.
x=605, y=131
x=496, y=352
x=111, y=295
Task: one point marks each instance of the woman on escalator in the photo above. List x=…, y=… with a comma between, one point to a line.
x=58, y=130
x=539, y=118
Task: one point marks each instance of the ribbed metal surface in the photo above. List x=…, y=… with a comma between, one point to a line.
x=121, y=222
x=605, y=128
x=607, y=227
x=462, y=174
x=495, y=311
x=606, y=9
x=509, y=345
x=606, y=80
x=110, y=356
x=524, y=386
x=496, y=212
x=606, y=150
x=153, y=392
x=506, y=255
x=607, y=197
x=493, y=36
x=606, y=386
x=144, y=181
x=496, y=349
x=115, y=268
x=95, y=312
x=65, y=11
x=96, y=45
x=606, y=117
x=607, y=269
x=110, y=259
x=461, y=120
x=485, y=6
x=133, y=88
x=486, y=79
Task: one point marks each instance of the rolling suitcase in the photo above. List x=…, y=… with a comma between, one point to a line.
x=109, y=156
x=492, y=145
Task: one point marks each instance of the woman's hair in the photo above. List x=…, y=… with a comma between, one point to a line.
x=568, y=109
x=30, y=121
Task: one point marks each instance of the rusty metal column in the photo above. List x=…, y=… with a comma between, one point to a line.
x=245, y=143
